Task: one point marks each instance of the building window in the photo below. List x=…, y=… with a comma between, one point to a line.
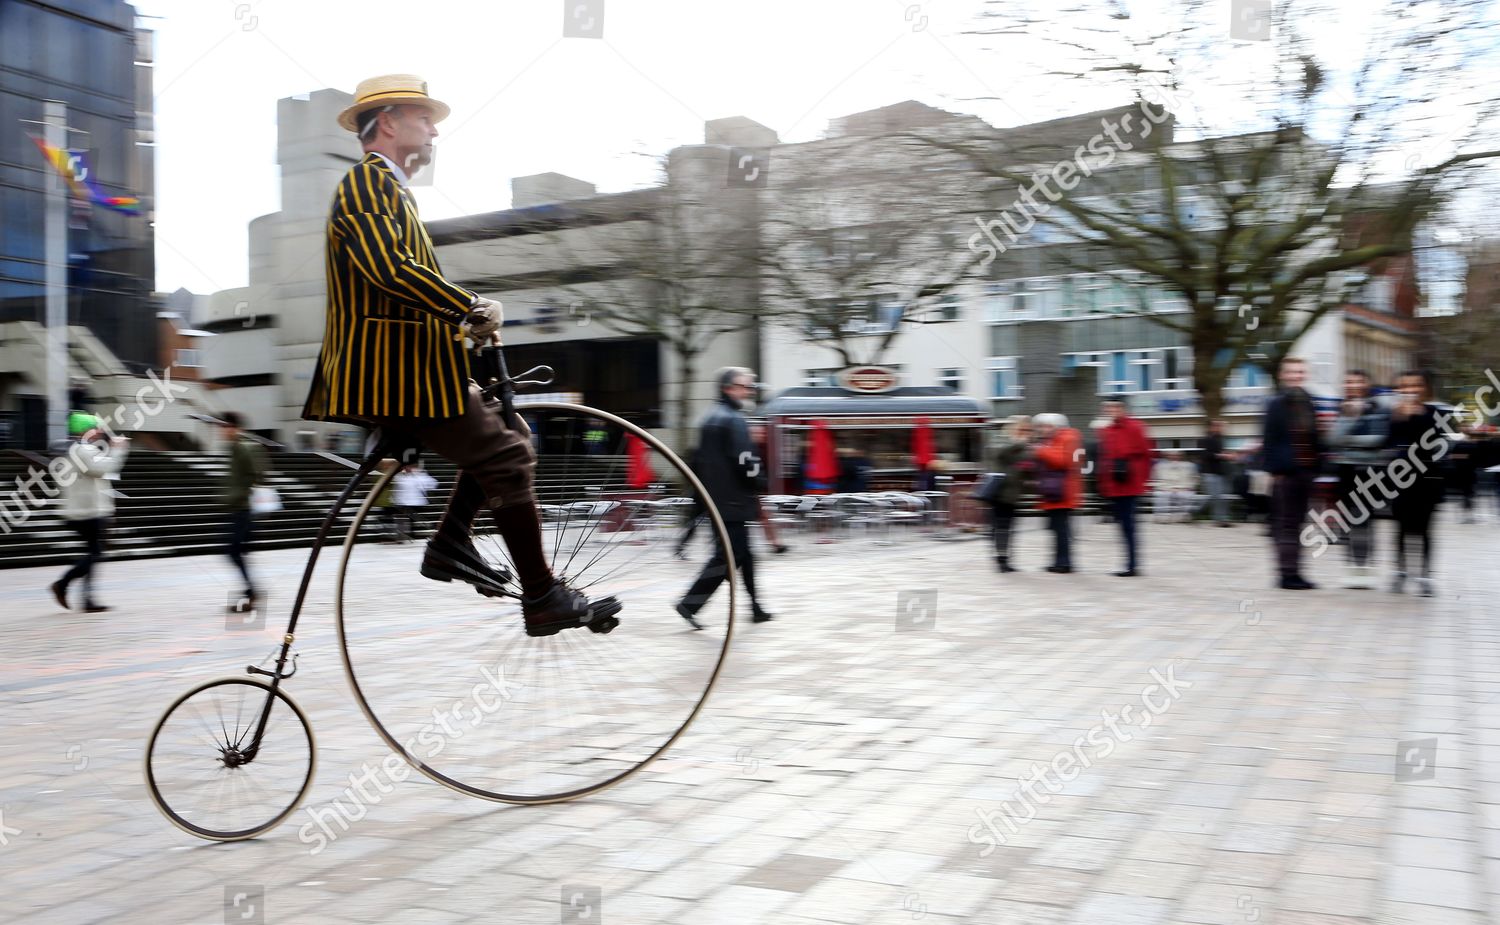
x=948, y=307
x=1005, y=380
x=952, y=378
x=1115, y=377
x=819, y=377
x=1246, y=376
x=1022, y=299
x=187, y=356
x=995, y=304
x=1176, y=369
x=1089, y=294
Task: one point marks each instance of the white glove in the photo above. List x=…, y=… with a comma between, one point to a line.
x=485, y=318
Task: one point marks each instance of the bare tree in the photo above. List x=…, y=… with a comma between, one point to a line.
x=679, y=271
x=1257, y=206
x=855, y=245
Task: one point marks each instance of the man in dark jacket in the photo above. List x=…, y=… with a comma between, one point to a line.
x=1293, y=451
x=247, y=467
x=1358, y=440
x=1005, y=458
x=1214, y=464
x=728, y=467
x=1124, y=469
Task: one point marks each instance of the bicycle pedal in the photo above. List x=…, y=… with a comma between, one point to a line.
x=602, y=617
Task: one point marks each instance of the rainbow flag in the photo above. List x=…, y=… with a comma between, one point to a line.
x=72, y=165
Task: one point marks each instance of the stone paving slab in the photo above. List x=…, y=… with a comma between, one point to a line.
x=1186, y=747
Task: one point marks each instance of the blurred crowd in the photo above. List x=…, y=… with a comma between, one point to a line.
x=1314, y=480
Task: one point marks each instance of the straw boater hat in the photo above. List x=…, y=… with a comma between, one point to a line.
x=390, y=90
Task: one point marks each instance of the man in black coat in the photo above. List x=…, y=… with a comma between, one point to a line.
x=1293, y=451
x=728, y=466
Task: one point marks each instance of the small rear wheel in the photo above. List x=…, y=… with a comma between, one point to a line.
x=212, y=774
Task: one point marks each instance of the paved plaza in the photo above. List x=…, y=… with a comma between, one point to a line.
x=915, y=739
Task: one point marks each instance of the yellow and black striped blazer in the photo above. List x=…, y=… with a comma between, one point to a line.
x=388, y=347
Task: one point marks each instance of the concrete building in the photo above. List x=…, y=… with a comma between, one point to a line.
x=1029, y=334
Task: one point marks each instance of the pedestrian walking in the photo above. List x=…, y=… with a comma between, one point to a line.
x=89, y=501
x=1213, y=464
x=728, y=467
x=413, y=483
x=1123, y=471
x=1005, y=459
x=1060, y=482
x=1358, y=439
x=1415, y=436
x=1293, y=451
x=247, y=469
x=697, y=514
x=1463, y=468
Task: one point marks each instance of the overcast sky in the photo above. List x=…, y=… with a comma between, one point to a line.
x=527, y=100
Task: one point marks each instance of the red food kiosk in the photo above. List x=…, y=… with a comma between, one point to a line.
x=869, y=415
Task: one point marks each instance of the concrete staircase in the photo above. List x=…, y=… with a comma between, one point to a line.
x=168, y=504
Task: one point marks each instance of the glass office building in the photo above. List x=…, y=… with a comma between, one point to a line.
x=90, y=55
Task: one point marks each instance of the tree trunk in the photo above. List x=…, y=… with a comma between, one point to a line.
x=1210, y=386
x=684, y=429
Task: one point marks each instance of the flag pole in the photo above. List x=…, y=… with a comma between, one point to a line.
x=55, y=113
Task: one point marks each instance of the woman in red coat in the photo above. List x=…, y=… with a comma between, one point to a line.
x=1058, y=452
x=1124, y=469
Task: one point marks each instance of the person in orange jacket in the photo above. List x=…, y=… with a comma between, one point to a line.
x=1058, y=452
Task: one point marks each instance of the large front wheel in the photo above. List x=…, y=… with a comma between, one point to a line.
x=452, y=683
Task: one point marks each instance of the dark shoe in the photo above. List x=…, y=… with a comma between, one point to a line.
x=684, y=613
x=1296, y=583
x=1005, y=566
x=94, y=608
x=60, y=591
x=1060, y=569
x=1225, y=523
x=761, y=616
x=448, y=560
x=779, y=548
x=564, y=608
x=680, y=553
x=1125, y=573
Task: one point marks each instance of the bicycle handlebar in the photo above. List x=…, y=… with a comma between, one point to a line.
x=494, y=377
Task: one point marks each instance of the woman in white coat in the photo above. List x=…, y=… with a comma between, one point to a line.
x=88, y=501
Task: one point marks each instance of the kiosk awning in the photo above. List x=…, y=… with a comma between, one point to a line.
x=909, y=401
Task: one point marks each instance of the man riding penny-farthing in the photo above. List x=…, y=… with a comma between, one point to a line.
x=506, y=706
x=394, y=357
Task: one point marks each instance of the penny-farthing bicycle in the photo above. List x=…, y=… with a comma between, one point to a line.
x=447, y=676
